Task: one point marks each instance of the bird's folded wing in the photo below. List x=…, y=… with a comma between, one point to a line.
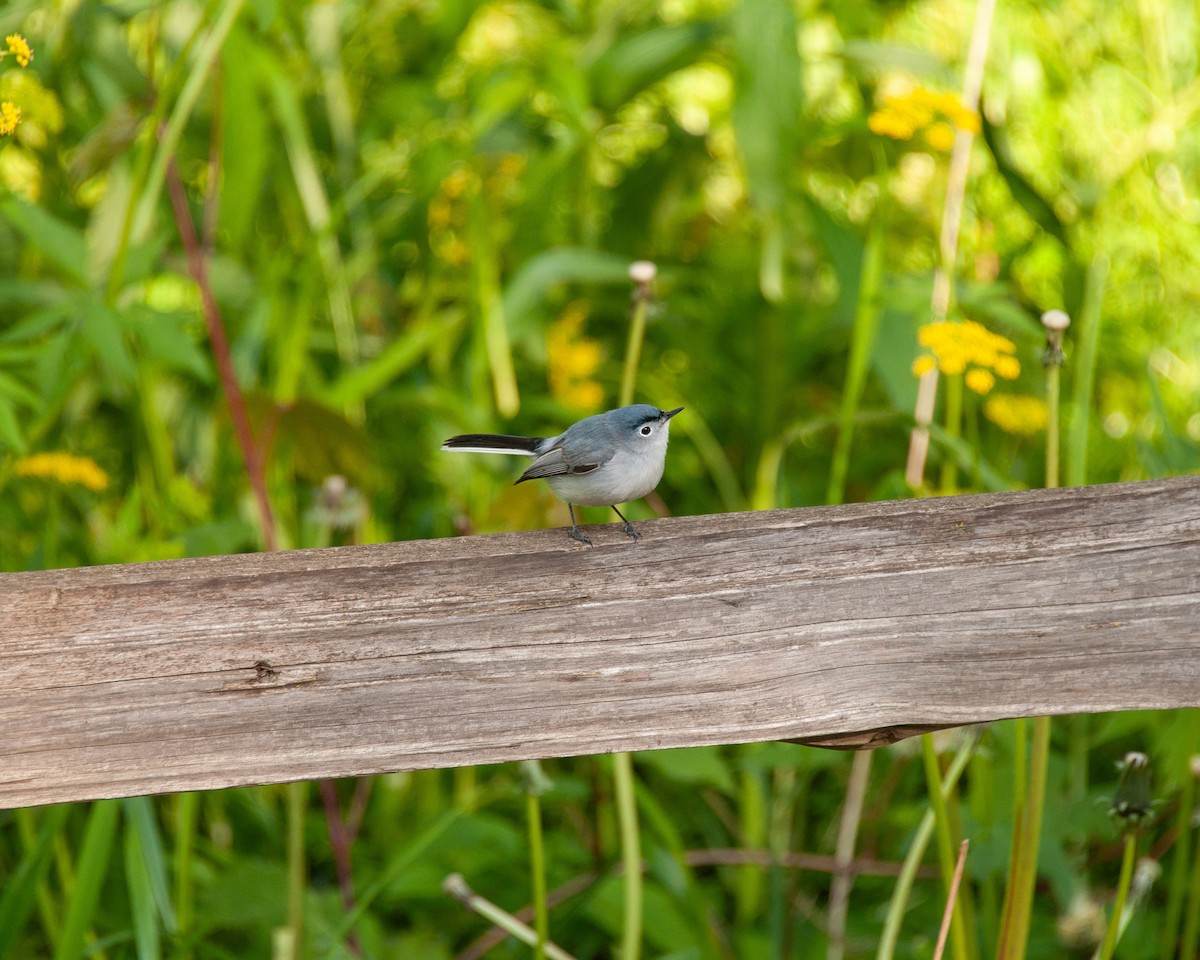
x=565, y=458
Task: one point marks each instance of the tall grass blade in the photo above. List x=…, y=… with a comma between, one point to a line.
x=21, y=886
x=91, y=870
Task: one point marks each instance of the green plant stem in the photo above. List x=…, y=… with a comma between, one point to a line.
x=1014, y=932
x=912, y=860
x=1190, y=941
x=537, y=866
x=1052, y=392
x=866, y=321
x=947, y=854
x=1113, y=933
x=748, y=890
x=954, y=415
x=1084, y=367
x=633, y=348
x=1183, y=851
x=631, y=855
x=186, y=810
x=297, y=802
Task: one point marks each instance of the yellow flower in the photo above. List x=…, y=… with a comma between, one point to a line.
x=937, y=114
x=10, y=116
x=1014, y=413
x=573, y=359
x=1007, y=367
x=980, y=380
x=65, y=468
x=964, y=346
x=940, y=136
x=19, y=47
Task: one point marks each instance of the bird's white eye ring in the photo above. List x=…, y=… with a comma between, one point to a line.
x=646, y=431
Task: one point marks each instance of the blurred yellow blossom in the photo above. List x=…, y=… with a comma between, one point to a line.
x=979, y=380
x=935, y=114
x=922, y=365
x=65, y=468
x=955, y=345
x=573, y=359
x=19, y=47
x=1017, y=413
x=10, y=116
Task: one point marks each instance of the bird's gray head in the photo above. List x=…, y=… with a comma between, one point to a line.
x=643, y=422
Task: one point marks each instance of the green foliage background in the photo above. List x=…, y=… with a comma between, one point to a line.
x=418, y=219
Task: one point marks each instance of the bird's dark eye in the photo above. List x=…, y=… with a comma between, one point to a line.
x=646, y=431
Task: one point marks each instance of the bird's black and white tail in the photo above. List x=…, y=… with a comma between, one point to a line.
x=493, y=443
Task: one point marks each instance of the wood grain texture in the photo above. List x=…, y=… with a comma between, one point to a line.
x=843, y=625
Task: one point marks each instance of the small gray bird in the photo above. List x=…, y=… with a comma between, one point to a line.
x=600, y=461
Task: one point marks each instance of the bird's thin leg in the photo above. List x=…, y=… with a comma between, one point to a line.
x=628, y=526
x=574, y=533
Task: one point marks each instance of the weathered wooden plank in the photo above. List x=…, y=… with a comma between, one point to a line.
x=835, y=625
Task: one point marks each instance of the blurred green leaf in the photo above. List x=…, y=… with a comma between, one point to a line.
x=139, y=812
x=245, y=151
x=322, y=441
x=104, y=329
x=146, y=937
x=165, y=337
x=538, y=275
x=21, y=883
x=91, y=871
x=692, y=765
x=632, y=63
x=877, y=57
x=61, y=243
x=1024, y=192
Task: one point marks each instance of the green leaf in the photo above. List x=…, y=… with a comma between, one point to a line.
x=631, y=64
x=20, y=885
x=877, y=57
x=139, y=811
x=1023, y=191
x=322, y=442
x=397, y=358
x=10, y=428
x=146, y=936
x=244, y=148
x=91, y=869
x=103, y=328
x=539, y=274
x=165, y=337
x=62, y=244
x=693, y=765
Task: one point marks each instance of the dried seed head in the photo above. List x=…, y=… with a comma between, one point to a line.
x=642, y=271
x=1055, y=320
x=1131, y=802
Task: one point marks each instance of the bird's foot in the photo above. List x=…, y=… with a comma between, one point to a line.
x=575, y=534
x=630, y=532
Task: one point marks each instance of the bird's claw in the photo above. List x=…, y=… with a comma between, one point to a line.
x=633, y=534
x=574, y=534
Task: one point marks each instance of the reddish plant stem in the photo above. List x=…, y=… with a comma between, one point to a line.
x=252, y=455
x=340, y=840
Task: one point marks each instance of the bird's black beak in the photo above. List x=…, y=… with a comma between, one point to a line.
x=670, y=413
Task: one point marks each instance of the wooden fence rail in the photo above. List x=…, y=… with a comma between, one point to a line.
x=842, y=626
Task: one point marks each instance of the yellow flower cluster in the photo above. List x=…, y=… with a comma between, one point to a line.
x=65, y=468
x=934, y=114
x=573, y=359
x=10, y=113
x=1016, y=413
x=10, y=116
x=19, y=47
x=957, y=345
